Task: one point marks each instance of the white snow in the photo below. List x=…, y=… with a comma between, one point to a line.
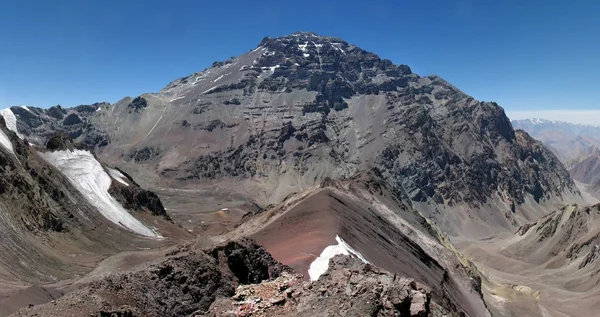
x=208, y=90
x=5, y=141
x=99, y=109
x=118, y=176
x=11, y=121
x=177, y=98
x=272, y=68
x=335, y=45
x=214, y=81
x=302, y=47
x=25, y=107
x=89, y=177
x=320, y=264
x=256, y=49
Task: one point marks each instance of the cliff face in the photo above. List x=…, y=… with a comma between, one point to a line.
x=303, y=107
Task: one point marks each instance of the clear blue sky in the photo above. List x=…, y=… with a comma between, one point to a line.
x=523, y=54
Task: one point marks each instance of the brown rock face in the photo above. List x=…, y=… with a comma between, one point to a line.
x=349, y=288
x=187, y=282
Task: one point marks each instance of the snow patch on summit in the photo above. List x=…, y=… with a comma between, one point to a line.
x=320, y=265
x=89, y=177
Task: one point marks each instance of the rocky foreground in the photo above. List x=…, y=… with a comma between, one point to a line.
x=241, y=279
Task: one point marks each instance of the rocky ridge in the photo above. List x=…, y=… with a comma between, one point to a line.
x=240, y=279
x=348, y=288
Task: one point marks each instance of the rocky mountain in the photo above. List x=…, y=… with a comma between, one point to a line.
x=570, y=142
x=588, y=169
x=202, y=281
x=57, y=216
x=309, y=145
x=300, y=108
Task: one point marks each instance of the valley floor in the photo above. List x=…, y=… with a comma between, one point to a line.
x=527, y=289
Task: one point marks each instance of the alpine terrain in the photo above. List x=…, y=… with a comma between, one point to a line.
x=306, y=177
x=577, y=145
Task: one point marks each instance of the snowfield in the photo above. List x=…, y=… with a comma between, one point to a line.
x=5, y=141
x=118, y=176
x=89, y=177
x=321, y=264
x=11, y=120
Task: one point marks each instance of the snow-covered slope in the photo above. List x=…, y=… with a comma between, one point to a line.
x=87, y=175
x=320, y=264
x=5, y=141
x=11, y=120
x=118, y=176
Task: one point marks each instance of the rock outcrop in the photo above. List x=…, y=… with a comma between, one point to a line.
x=240, y=279
x=349, y=288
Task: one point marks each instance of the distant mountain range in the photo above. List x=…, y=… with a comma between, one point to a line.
x=576, y=145
x=572, y=143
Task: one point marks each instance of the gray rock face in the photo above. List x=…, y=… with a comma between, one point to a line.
x=40, y=125
x=303, y=107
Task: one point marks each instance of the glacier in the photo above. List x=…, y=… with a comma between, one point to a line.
x=89, y=177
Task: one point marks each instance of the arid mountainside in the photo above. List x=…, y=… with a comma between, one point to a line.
x=201, y=283
x=300, y=108
x=578, y=146
x=553, y=261
x=570, y=142
x=587, y=170
x=368, y=190
x=58, y=224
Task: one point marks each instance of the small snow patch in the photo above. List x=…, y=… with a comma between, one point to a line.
x=321, y=264
x=202, y=93
x=86, y=174
x=302, y=47
x=272, y=68
x=336, y=46
x=177, y=98
x=118, y=176
x=214, y=81
x=25, y=107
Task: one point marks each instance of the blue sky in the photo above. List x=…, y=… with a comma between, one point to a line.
x=525, y=55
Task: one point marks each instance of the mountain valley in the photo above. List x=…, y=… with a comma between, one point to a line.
x=305, y=177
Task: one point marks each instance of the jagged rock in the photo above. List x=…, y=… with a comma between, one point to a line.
x=186, y=282
x=349, y=288
x=138, y=104
x=592, y=256
x=59, y=142
x=136, y=198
